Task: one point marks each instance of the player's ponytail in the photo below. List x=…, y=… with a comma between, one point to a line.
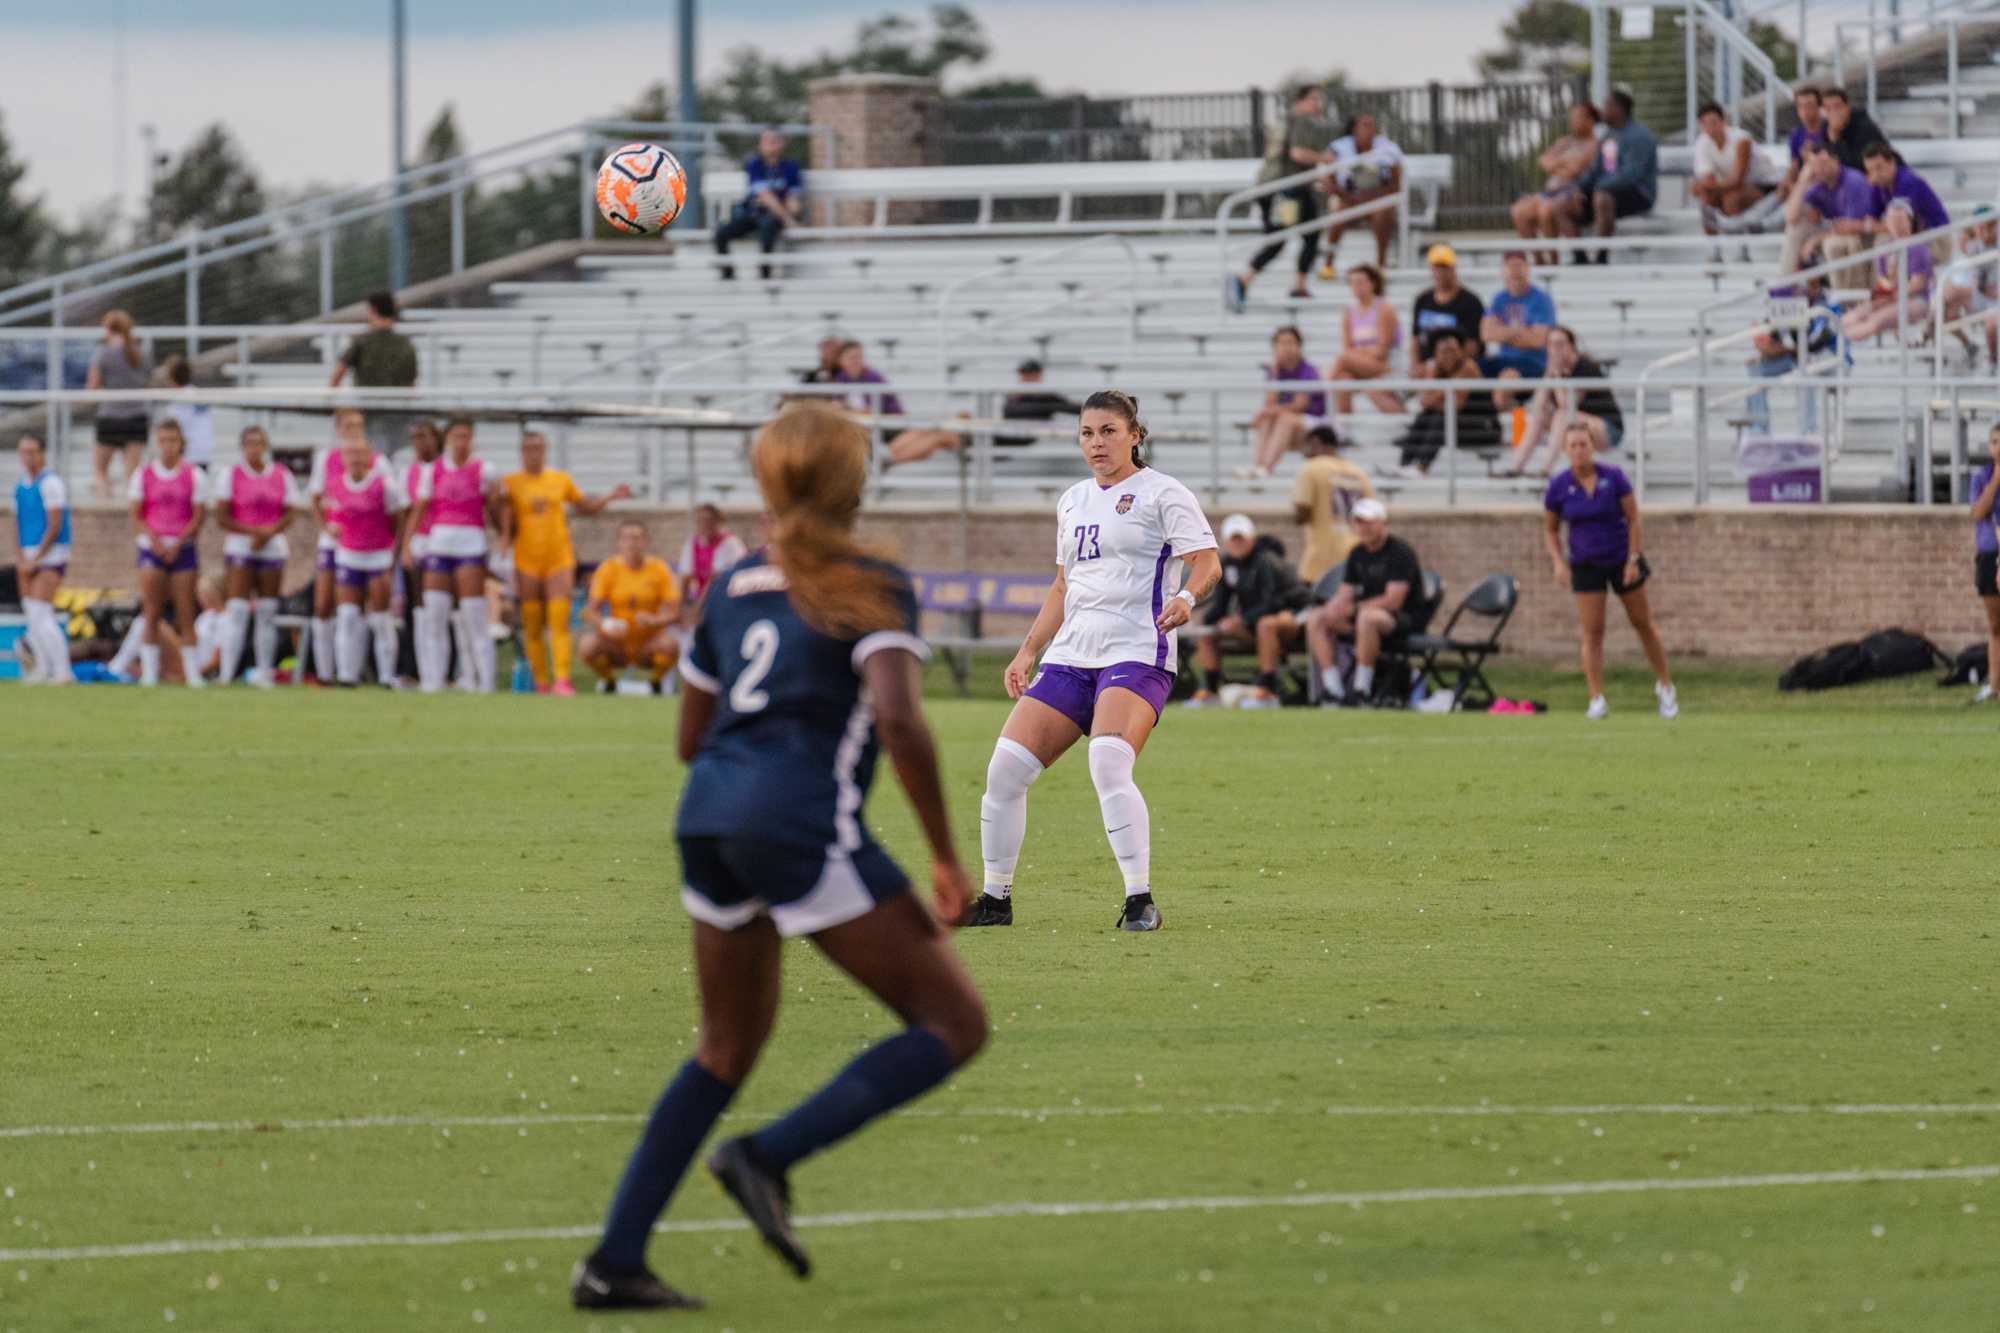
x=1124, y=405
x=811, y=463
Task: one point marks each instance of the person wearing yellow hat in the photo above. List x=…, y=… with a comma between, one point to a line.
x=1446, y=307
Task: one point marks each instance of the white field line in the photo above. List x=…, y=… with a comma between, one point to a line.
x=1479, y=1109
x=985, y=1212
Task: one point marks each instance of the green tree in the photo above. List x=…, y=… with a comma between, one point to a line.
x=1541, y=37
x=25, y=231
x=430, y=219
x=211, y=183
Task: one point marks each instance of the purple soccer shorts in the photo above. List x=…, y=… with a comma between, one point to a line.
x=1073, y=691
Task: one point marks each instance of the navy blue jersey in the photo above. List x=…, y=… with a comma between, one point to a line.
x=792, y=749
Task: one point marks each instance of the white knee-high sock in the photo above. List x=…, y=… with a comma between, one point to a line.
x=1126, y=822
x=264, y=637
x=45, y=635
x=324, y=657
x=350, y=642
x=149, y=663
x=386, y=630
x=1003, y=813
x=435, y=636
x=191, y=669
x=478, y=645
x=128, y=651
x=235, y=629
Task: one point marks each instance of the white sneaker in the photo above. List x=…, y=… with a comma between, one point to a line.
x=1261, y=699
x=1597, y=711
x=1670, y=701
x=1985, y=695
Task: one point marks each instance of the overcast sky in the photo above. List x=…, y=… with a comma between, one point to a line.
x=304, y=85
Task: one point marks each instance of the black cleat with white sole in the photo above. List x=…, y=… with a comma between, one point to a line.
x=990, y=911
x=1139, y=913
x=595, y=1285
x=761, y=1192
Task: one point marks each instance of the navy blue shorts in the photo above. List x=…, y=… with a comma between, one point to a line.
x=729, y=882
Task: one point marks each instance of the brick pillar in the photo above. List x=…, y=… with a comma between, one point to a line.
x=878, y=120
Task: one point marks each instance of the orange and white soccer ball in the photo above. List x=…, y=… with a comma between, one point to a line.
x=640, y=188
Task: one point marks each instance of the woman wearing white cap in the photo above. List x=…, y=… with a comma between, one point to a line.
x=1110, y=626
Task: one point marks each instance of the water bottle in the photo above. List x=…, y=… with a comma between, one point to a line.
x=524, y=679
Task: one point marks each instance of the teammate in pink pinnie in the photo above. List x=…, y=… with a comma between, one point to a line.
x=167, y=496
x=360, y=504
x=454, y=504
x=254, y=502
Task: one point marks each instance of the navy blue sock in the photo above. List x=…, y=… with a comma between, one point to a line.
x=880, y=1079
x=681, y=1119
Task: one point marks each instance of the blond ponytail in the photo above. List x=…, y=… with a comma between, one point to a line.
x=811, y=464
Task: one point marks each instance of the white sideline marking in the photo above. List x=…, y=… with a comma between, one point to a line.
x=1019, y=1113
x=985, y=1212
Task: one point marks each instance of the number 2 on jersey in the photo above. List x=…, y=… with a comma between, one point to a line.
x=760, y=649
x=1087, y=547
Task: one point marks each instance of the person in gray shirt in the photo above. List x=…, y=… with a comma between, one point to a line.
x=118, y=363
x=1622, y=181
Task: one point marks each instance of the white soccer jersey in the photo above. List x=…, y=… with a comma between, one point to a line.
x=1119, y=548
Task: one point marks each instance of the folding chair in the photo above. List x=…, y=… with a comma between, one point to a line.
x=1458, y=664
x=1393, y=676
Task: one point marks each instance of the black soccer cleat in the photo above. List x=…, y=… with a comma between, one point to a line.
x=1139, y=913
x=606, y=686
x=761, y=1192
x=598, y=1286
x=990, y=911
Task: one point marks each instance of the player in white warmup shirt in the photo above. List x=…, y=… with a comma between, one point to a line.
x=1110, y=627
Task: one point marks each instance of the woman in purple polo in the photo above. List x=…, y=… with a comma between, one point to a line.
x=1109, y=625
x=905, y=446
x=1986, y=548
x=1281, y=424
x=167, y=495
x=1597, y=503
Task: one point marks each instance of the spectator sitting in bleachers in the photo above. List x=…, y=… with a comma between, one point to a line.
x=1775, y=359
x=1254, y=603
x=1972, y=288
x=1369, y=334
x=1446, y=307
x=1367, y=166
x=1383, y=581
x=1622, y=180
x=1831, y=214
x=1891, y=178
x=1879, y=315
x=1551, y=410
x=770, y=203
x=1295, y=149
x=1516, y=326
x=1562, y=164
x=1811, y=129
x=1733, y=182
x=1849, y=130
x=829, y=361
x=1285, y=417
x=1478, y=428
x=1323, y=499
x=1033, y=403
x=906, y=446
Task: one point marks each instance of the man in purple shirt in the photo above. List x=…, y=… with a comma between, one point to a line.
x=1810, y=129
x=1892, y=178
x=1834, y=208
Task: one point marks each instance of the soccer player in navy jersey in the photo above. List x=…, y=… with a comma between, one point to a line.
x=804, y=663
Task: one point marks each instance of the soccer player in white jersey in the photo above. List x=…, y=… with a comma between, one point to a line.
x=1110, y=629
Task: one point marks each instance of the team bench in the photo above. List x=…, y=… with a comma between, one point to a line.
x=969, y=597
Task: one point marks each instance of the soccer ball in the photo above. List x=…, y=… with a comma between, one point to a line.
x=640, y=188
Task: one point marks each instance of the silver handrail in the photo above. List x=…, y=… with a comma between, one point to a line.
x=1399, y=200
x=1746, y=51
x=1041, y=257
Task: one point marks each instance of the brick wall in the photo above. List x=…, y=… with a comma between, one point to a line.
x=1729, y=583
x=878, y=121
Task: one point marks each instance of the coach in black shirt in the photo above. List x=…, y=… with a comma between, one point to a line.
x=1382, y=586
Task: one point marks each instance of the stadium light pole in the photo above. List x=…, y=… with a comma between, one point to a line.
x=690, y=107
x=399, y=223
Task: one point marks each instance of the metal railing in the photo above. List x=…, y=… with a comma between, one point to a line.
x=1734, y=51
x=320, y=220
x=1399, y=200
x=1950, y=16
x=1190, y=434
x=1012, y=266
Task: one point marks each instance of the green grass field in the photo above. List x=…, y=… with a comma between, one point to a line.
x=1457, y=1023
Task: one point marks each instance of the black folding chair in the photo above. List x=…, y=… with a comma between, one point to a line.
x=1459, y=664
x=1393, y=676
